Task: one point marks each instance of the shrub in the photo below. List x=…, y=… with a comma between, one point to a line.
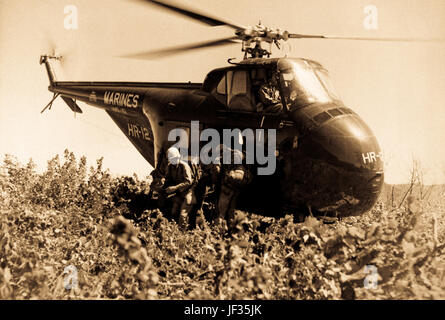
x=70, y=219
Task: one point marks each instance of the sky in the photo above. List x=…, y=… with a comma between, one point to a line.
x=397, y=88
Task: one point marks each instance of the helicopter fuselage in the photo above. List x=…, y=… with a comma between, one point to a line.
x=327, y=158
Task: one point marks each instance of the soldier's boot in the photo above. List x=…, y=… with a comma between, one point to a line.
x=175, y=210
x=226, y=203
x=220, y=225
x=200, y=220
x=231, y=213
x=220, y=217
x=183, y=220
x=184, y=212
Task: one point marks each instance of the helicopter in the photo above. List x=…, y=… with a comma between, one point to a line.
x=328, y=161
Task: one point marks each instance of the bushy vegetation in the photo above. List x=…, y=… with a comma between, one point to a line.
x=70, y=215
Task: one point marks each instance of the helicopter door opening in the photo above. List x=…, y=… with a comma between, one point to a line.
x=239, y=95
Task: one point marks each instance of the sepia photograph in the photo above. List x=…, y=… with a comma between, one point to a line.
x=206, y=151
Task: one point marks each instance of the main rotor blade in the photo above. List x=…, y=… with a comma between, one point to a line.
x=195, y=14
x=154, y=54
x=308, y=36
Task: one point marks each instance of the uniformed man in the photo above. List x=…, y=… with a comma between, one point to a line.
x=179, y=186
x=204, y=190
x=269, y=96
x=158, y=178
x=234, y=177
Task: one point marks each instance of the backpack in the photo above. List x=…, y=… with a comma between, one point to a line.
x=237, y=183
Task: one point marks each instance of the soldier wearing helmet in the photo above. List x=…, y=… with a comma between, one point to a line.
x=179, y=185
x=206, y=191
x=234, y=177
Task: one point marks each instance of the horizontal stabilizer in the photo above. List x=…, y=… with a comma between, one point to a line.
x=72, y=104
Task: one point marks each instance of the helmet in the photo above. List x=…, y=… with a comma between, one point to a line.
x=173, y=155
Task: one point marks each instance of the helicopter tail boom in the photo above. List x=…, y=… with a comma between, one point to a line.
x=71, y=91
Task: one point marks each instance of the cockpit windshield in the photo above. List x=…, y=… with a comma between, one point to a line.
x=303, y=84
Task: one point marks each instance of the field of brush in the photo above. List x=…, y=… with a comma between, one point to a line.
x=73, y=222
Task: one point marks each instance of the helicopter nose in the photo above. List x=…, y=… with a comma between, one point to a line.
x=345, y=164
x=349, y=143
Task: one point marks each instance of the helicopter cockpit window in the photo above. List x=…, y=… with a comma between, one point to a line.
x=222, y=87
x=302, y=84
x=324, y=78
x=238, y=91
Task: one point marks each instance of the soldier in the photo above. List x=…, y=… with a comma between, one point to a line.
x=158, y=178
x=233, y=178
x=179, y=185
x=205, y=186
x=270, y=96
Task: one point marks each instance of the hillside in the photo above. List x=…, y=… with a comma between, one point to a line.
x=73, y=222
